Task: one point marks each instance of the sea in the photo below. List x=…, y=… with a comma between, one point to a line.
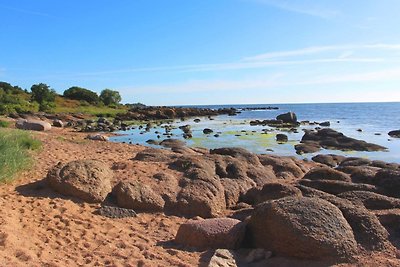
x=370, y=122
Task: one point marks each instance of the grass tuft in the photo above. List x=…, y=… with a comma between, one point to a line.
x=4, y=124
x=16, y=148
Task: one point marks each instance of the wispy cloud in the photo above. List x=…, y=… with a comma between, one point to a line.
x=232, y=66
x=311, y=8
x=320, y=49
x=27, y=11
x=274, y=81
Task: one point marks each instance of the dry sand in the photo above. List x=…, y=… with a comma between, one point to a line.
x=41, y=228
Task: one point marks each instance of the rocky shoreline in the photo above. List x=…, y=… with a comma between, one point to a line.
x=246, y=208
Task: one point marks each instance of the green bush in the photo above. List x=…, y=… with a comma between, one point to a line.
x=78, y=93
x=110, y=97
x=42, y=93
x=15, y=152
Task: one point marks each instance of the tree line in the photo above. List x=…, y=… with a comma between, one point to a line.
x=42, y=97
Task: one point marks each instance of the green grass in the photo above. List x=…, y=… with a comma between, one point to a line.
x=92, y=110
x=4, y=124
x=15, y=152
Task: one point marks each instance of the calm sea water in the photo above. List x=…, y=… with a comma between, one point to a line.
x=375, y=120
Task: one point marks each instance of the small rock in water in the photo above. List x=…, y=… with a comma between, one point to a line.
x=281, y=138
x=359, y=130
x=207, y=131
x=325, y=124
x=395, y=133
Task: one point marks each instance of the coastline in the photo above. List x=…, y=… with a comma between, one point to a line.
x=67, y=231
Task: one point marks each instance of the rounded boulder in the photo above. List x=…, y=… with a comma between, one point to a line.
x=308, y=228
x=88, y=180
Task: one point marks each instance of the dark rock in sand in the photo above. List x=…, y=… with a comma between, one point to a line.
x=88, y=180
x=115, y=212
x=137, y=196
x=395, y=133
x=289, y=117
x=325, y=173
x=211, y=233
x=308, y=228
x=281, y=138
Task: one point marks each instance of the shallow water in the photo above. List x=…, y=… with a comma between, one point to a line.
x=372, y=118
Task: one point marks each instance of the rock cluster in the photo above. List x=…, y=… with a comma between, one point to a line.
x=288, y=207
x=327, y=138
x=161, y=113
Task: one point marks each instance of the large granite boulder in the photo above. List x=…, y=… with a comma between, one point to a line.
x=211, y=233
x=308, y=228
x=33, y=125
x=289, y=117
x=137, y=196
x=368, y=231
x=88, y=180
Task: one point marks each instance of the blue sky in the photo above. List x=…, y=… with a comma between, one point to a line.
x=179, y=52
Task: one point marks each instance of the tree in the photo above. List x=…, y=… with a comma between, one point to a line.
x=44, y=95
x=110, y=97
x=78, y=93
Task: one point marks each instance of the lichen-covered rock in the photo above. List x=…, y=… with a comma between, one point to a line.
x=308, y=228
x=88, y=180
x=211, y=233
